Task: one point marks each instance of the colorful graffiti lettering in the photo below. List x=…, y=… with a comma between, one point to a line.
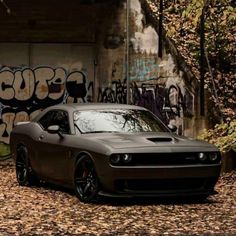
x=144, y=68
x=168, y=103
x=114, y=94
x=24, y=92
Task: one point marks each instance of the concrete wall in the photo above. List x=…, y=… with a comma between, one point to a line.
x=57, y=52
x=56, y=73
x=50, y=21
x=155, y=83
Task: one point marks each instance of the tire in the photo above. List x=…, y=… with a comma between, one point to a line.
x=24, y=173
x=86, y=183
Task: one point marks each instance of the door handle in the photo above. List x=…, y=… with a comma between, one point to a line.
x=41, y=137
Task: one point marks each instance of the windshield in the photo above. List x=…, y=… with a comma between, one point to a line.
x=117, y=120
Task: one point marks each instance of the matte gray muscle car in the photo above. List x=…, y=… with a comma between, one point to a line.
x=112, y=150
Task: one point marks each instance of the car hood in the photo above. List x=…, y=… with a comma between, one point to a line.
x=148, y=140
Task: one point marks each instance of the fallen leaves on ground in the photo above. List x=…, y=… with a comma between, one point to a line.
x=47, y=210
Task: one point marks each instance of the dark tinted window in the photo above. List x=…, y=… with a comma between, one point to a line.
x=60, y=118
x=117, y=120
x=56, y=117
x=46, y=120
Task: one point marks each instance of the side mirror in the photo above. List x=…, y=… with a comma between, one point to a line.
x=172, y=128
x=54, y=129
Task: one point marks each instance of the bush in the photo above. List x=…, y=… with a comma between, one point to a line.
x=4, y=150
x=223, y=136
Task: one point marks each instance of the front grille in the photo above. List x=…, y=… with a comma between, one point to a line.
x=160, y=185
x=165, y=159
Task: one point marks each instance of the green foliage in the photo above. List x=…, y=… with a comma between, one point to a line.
x=182, y=23
x=220, y=45
x=4, y=150
x=223, y=136
x=194, y=11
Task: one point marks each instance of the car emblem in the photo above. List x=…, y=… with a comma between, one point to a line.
x=190, y=158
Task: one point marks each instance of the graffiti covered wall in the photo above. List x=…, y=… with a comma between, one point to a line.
x=24, y=92
x=155, y=83
x=166, y=100
x=51, y=79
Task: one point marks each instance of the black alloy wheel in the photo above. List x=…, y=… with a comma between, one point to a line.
x=24, y=174
x=86, y=182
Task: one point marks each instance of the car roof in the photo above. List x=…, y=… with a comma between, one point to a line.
x=95, y=106
x=71, y=107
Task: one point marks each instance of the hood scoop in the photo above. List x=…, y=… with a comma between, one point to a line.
x=160, y=139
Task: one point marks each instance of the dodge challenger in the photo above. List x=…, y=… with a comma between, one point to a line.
x=112, y=150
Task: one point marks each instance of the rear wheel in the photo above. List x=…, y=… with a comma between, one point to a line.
x=86, y=182
x=24, y=173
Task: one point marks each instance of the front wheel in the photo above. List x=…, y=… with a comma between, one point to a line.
x=86, y=182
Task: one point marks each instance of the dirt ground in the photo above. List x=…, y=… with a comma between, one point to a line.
x=48, y=210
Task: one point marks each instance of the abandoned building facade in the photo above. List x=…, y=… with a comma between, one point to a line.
x=90, y=51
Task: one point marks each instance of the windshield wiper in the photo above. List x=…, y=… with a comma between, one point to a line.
x=100, y=131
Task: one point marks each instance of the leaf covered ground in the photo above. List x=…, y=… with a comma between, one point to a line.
x=48, y=210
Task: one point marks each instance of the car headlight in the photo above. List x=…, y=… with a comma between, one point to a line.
x=119, y=159
x=213, y=156
x=127, y=158
x=115, y=159
x=202, y=156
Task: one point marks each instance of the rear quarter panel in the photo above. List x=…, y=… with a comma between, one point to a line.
x=25, y=134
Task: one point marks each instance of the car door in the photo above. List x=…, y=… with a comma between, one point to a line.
x=53, y=153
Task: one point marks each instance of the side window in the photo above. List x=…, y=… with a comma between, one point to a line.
x=56, y=117
x=46, y=120
x=60, y=118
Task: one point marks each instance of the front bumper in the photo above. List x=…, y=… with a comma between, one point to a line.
x=186, y=180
